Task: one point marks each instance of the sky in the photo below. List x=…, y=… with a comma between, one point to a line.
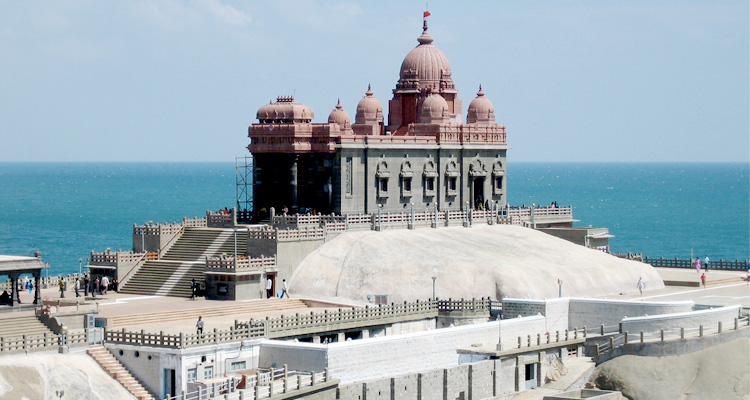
x=171, y=80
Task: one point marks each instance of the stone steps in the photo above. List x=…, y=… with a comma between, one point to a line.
x=116, y=370
x=173, y=273
x=244, y=310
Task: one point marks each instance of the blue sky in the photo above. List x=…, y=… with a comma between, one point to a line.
x=176, y=80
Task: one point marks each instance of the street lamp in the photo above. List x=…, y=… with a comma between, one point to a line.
x=500, y=331
x=380, y=219
x=434, y=278
x=559, y=284
x=80, y=260
x=412, y=216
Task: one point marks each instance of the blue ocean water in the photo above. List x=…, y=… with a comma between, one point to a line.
x=65, y=210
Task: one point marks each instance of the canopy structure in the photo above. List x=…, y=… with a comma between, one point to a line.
x=14, y=267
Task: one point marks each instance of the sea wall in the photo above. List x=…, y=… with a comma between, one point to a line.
x=687, y=320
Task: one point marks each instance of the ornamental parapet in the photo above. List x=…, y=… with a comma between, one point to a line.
x=226, y=263
x=115, y=258
x=157, y=229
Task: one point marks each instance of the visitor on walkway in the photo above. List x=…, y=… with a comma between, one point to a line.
x=105, y=284
x=78, y=286
x=641, y=285
x=30, y=286
x=199, y=326
x=61, y=283
x=269, y=288
x=193, y=288
x=86, y=283
x=698, y=265
x=705, y=263
x=703, y=280
x=94, y=287
x=284, y=289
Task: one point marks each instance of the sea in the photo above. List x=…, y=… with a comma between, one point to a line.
x=66, y=210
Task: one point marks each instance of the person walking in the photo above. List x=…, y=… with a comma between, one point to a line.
x=193, y=289
x=105, y=284
x=199, y=326
x=705, y=263
x=284, y=289
x=269, y=288
x=703, y=280
x=95, y=286
x=697, y=265
x=641, y=285
x=61, y=284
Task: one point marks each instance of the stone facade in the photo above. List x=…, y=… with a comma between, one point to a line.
x=425, y=158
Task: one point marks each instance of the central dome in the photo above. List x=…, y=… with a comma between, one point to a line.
x=425, y=67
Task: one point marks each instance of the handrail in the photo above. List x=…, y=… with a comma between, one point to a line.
x=173, y=238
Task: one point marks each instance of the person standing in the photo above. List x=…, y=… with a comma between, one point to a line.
x=78, y=286
x=199, y=326
x=105, y=284
x=95, y=287
x=86, y=283
x=697, y=265
x=284, y=289
x=193, y=289
x=703, y=280
x=705, y=263
x=641, y=285
x=269, y=288
x=61, y=284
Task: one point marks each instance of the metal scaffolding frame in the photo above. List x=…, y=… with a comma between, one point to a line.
x=244, y=190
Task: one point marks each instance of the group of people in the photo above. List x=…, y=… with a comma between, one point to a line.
x=95, y=286
x=269, y=288
x=698, y=266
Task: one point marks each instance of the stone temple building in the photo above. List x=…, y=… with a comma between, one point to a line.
x=426, y=156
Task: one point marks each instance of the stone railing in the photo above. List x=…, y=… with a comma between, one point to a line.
x=260, y=385
x=113, y=258
x=194, y=222
x=285, y=326
x=225, y=262
x=616, y=342
x=157, y=229
x=45, y=342
x=288, y=234
x=222, y=219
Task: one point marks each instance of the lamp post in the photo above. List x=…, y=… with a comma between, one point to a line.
x=533, y=218
x=559, y=284
x=500, y=332
x=380, y=208
x=434, y=278
x=466, y=219
x=80, y=261
x=436, y=210
x=411, y=226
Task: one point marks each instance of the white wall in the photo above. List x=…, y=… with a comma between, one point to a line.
x=688, y=320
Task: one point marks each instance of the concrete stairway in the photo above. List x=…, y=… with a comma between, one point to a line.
x=19, y=326
x=165, y=278
x=185, y=261
x=243, y=310
x=196, y=244
x=113, y=367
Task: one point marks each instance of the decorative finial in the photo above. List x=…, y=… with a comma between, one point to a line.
x=369, y=91
x=480, y=92
x=338, y=105
x=425, y=15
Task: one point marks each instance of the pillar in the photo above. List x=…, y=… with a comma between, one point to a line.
x=14, y=288
x=294, y=176
x=37, y=284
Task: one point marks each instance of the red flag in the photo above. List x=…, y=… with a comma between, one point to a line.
x=427, y=14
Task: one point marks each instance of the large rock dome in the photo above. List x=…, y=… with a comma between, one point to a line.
x=496, y=261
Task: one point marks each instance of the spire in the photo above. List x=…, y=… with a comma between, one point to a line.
x=338, y=105
x=480, y=93
x=425, y=38
x=368, y=93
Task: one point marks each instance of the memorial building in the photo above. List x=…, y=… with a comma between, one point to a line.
x=426, y=156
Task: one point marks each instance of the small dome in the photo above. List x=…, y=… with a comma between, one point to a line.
x=434, y=110
x=481, y=110
x=339, y=116
x=425, y=66
x=284, y=111
x=369, y=109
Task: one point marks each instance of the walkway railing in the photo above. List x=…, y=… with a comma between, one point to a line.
x=624, y=338
x=736, y=265
x=262, y=384
x=285, y=326
x=47, y=341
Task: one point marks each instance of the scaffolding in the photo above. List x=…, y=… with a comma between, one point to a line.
x=245, y=181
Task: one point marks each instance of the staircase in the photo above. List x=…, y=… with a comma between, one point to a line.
x=113, y=367
x=19, y=326
x=173, y=273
